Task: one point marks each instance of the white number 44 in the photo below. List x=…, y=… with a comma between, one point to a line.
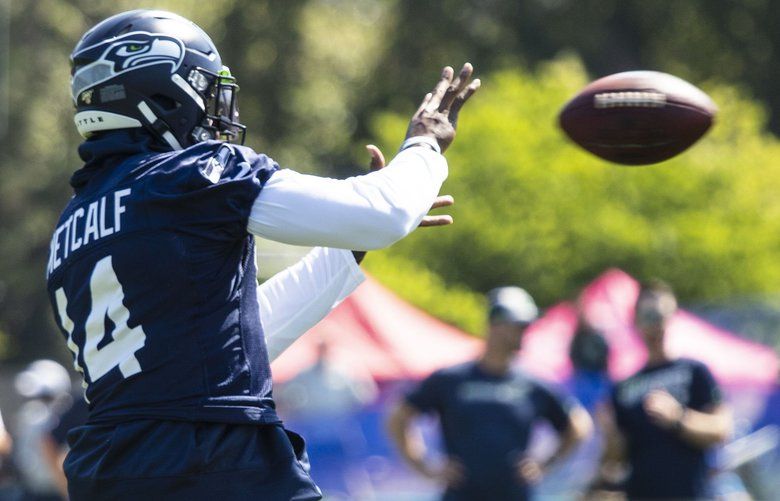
x=107, y=296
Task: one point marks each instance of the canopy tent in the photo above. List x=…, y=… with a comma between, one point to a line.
x=376, y=331
x=608, y=304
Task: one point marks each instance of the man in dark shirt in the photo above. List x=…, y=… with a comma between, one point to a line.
x=666, y=416
x=487, y=409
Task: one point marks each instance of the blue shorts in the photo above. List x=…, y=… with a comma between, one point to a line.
x=164, y=460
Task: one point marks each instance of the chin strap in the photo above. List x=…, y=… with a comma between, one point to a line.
x=158, y=126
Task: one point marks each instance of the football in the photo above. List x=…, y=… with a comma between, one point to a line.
x=637, y=117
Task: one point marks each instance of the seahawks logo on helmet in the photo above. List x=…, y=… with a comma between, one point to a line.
x=128, y=52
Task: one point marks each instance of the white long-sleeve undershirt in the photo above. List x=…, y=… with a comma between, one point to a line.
x=360, y=213
x=296, y=298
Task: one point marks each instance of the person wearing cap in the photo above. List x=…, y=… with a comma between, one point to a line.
x=487, y=408
x=46, y=385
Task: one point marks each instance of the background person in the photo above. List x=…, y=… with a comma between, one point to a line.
x=487, y=409
x=46, y=384
x=9, y=484
x=323, y=401
x=666, y=416
x=589, y=355
x=591, y=385
x=54, y=444
x=326, y=389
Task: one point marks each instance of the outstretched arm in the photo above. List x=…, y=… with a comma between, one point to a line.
x=360, y=213
x=379, y=208
x=296, y=299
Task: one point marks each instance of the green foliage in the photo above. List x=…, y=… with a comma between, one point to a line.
x=411, y=280
x=534, y=210
x=732, y=41
x=339, y=42
x=531, y=209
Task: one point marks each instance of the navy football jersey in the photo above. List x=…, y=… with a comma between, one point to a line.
x=152, y=279
x=664, y=466
x=487, y=420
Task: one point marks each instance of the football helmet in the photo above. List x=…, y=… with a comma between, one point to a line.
x=156, y=70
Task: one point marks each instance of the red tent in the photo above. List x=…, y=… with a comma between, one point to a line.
x=375, y=330
x=608, y=304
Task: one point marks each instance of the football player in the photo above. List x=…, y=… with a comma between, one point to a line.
x=152, y=273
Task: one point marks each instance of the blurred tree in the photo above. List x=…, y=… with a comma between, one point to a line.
x=314, y=72
x=535, y=211
x=37, y=154
x=339, y=41
x=726, y=40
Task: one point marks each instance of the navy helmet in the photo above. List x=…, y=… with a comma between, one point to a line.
x=156, y=70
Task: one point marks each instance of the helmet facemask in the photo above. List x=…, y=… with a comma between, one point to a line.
x=221, y=103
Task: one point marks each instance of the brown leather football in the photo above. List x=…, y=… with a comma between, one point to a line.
x=638, y=117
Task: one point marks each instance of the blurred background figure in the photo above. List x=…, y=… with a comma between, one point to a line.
x=487, y=409
x=591, y=385
x=54, y=443
x=46, y=384
x=589, y=354
x=323, y=401
x=9, y=488
x=666, y=417
x=326, y=389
